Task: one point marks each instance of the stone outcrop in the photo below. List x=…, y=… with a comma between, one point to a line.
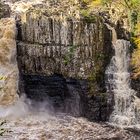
x=67, y=57
x=71, y=48
x=4, y=10
x=136, y=86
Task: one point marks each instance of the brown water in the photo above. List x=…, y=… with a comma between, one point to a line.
x=8, y=65
x=61, y=127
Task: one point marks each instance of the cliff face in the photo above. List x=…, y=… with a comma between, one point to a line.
x=4, y=10
x=73, y=52
x=68, y=47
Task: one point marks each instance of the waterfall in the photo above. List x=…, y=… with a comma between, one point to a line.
x=9, y=99
x=10, y=103
x=118, y=83
x=8, y=69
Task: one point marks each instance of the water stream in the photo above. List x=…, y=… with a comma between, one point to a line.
x=119, y=84
x=8, y=69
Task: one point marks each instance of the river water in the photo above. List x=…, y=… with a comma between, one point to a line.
x=119, y=83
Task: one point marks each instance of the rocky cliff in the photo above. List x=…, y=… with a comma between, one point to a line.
x=63, y=59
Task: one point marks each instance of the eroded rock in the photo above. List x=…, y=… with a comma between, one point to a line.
x=77, y=49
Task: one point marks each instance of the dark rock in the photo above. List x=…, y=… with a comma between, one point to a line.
x=66, y=127
x=64, y=61
x=122, y=33
x=136, y=86
x=4, y=10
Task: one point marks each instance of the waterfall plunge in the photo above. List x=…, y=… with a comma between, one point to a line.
x=10, y=103
x=8, y=65
x=118, y=82
x=9, y=99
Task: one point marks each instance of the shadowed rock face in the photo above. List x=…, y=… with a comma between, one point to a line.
x=65, y=58
x=4, y=10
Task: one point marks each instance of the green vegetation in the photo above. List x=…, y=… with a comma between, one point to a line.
x=68, y=56
x=134, y=10
x=87, y=7
x=97, y=74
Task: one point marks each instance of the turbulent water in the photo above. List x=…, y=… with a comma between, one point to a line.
x=8, y=69
x=61, y=127
x=119, y=83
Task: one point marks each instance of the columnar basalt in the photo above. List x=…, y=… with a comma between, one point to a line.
x=76, y=49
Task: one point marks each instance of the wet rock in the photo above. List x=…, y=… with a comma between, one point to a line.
x=64, y=127
x=136, y=86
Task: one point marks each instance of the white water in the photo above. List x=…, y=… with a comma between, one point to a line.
x=118, y=82
x=9, y=99
x=8, y=65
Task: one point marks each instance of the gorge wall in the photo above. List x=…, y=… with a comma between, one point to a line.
x=63, y=60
